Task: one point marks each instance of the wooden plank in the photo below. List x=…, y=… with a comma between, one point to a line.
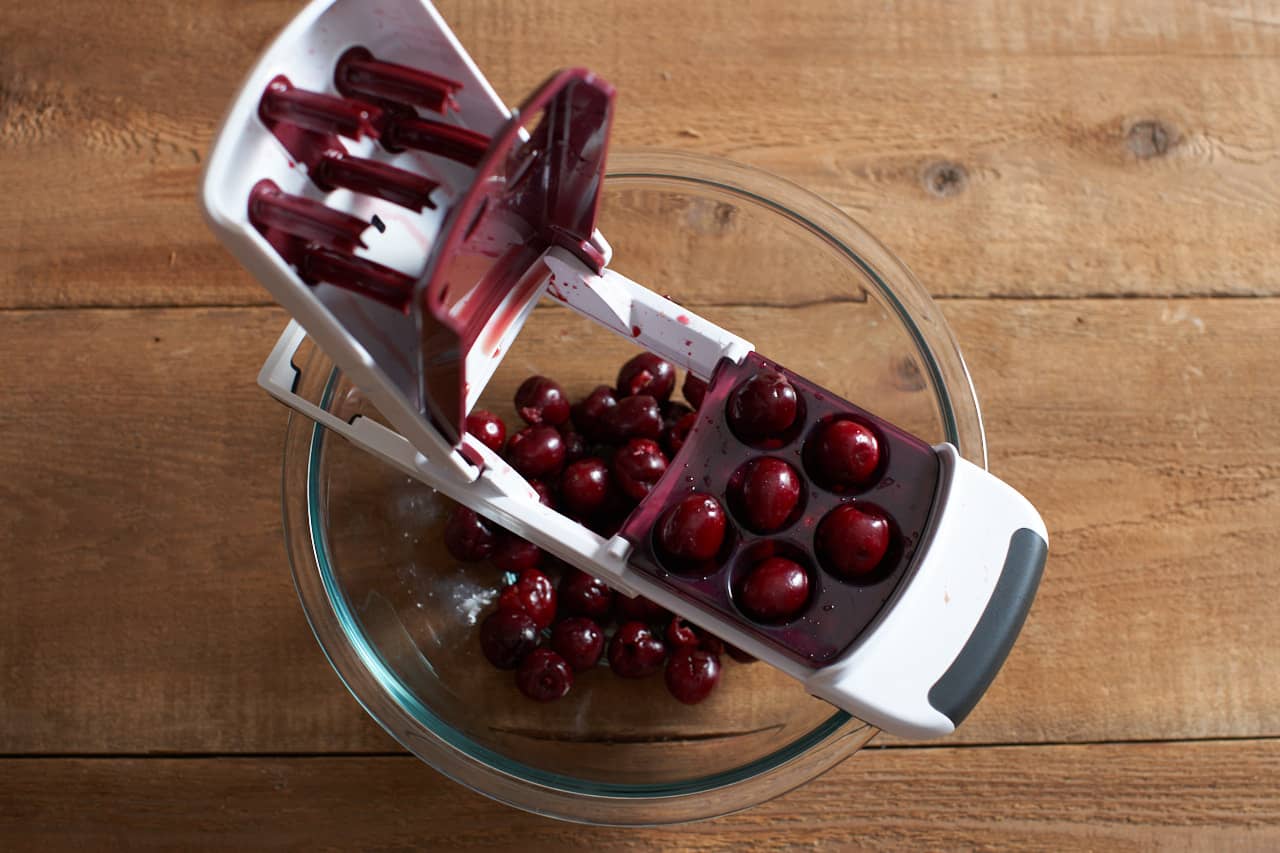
x=150, y=606
x=1012, y=149
x=1186, y=796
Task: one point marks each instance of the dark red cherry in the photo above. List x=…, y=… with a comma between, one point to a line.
x=579, y=641
x=673, y=412
x=489, y=428
x=575, y=446
x=674, y=437
x=846, y=453
x=694, y=390
x=533, y=594
x=468, y=536
x=581, y=594
x=638, y=466
x=536, y=451
x=762, y=407
x=635, y=651
x=506, y=636
x=708, y=643
x=544, y=493
x=680, y=634
x=634, y=417
x=514, y=554
x=776, y=590
x=584, y=486
x=852, y=540
x=692, y=674
x=589, y=414
x=544, y=676
x=639, y=609
x=769, y=494
x=647, y=374
x=693, y=529
x=540, y=400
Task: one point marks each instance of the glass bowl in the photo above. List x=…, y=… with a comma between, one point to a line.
x=397, y=615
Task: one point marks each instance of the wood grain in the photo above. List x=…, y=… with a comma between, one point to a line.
x=1197, y=796
x=139, y=518
x=1000, y=149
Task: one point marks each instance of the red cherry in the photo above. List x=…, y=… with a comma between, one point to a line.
x=536, y=451
x=638, y=466
x=514, y=554
x=647, y=374
x=540, y=400
x=681, y=635
x=694, y=390
x=590, y=413
x=775, y=590
x=853, y=539
x=584, y=486
x=544, y=493
x=583, y=595
x=579, y=641
x=635, y=651
x=712, y=644
x=469, y=537
x=678, y=433
x=575, y=446
x=846, y=454
x=489, y=428
x=762, y=407
x=506, y=636
x=769, y=494
x=533, y=594
x=639, y=609
x=634, y=417
x=693, y=529
x=692, y=674
x=544, y=676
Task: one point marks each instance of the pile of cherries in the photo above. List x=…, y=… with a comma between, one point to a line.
x=593, y=461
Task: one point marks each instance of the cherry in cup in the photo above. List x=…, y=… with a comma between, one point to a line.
x=853, y=539
x=766, y=493
x=763, y=407
x=844, y=454
x=692, y=531
x=776, y=589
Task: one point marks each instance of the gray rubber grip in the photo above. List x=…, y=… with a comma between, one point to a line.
x=973, y=670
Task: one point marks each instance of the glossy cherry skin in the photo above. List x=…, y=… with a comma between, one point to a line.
x=853, y=539
x=692, y=674
x=776, y=590
x=635, y=651
x=589, y=414
x=769, y=494
x=585, y=486
x=638, y=466
x=694, y=389
x=634, y=417
x=639, y=609
x=489, y=428
x=763, y=407
x=544, y=676
x=536, y=451
x=675, y=435
x=533, y=594
x=514, y=554
x=846, y=453
x=506, y=636
x=468, y=536
x=693, y=529
x=681, y=635
x=581, y=594
x=545, y=497
x=647, y=374
x=579, y=641
x=540, y=400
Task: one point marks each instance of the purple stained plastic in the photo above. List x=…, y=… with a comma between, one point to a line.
x=838, y=611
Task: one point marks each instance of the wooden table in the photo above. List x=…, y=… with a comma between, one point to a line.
x=1091, y=190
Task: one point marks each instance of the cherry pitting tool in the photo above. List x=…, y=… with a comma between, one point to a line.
x=918, y=567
